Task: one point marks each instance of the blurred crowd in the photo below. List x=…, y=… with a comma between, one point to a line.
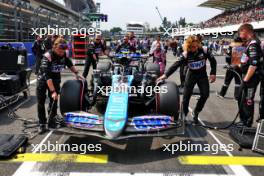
x=250, y=12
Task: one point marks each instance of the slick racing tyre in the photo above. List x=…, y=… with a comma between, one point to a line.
x=72, y=96
x=168, y=100
x=155, y=68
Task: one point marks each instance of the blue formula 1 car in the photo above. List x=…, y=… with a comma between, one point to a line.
x=136, y=106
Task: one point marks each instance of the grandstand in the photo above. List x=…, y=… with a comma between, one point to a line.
x=80, y=5
x=234, y=13
x=18, y=17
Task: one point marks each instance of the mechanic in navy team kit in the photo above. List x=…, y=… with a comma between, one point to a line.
x=99, y=47
x=48, y=42
x=49, y=79
x=126, y=45
x=38, y=52
x=95, y=49
x=194, y=56
x=251, y=66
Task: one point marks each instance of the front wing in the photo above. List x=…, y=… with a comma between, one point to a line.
x=82, y=123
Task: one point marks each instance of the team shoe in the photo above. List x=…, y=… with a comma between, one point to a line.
x=53, y=125
x=55, y=122
x=184, y=117
x=259, y=120
x=235, y=100
x=219, y=95
x=42, y=129
x=195, y=118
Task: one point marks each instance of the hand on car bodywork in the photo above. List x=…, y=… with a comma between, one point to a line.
x=163, y=77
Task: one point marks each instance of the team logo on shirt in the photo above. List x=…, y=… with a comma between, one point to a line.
x=201, y=55
x=197, y=65
x=244, y=59
x=57, y=68
x=254, y=62
x=98, y=50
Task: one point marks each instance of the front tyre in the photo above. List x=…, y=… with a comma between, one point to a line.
x=168, y=100
x=72, y=97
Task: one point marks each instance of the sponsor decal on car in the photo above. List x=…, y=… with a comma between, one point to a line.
x=151, y=122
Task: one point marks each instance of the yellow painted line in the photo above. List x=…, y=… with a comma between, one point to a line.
x=53, y=157
x=222, y=160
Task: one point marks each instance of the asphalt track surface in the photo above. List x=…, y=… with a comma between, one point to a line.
x=137, y=156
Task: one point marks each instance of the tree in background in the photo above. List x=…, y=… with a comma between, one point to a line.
x=166, y=23
x=116, y=30
x=182, y=22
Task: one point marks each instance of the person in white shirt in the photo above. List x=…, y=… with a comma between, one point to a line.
x=154, y=45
